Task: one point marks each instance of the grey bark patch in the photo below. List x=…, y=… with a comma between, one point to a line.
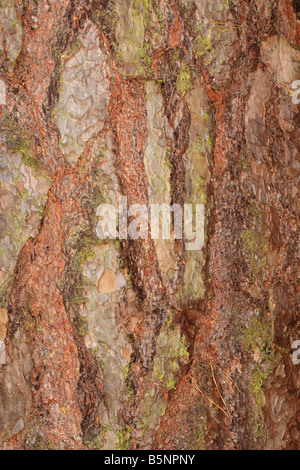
x=3, y=224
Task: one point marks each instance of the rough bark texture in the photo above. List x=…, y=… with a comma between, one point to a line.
x=108, y=344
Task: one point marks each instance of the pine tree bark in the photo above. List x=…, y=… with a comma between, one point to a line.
x=142, y=344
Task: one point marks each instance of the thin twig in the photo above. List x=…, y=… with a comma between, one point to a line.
x=222, y=23
x=215, y=382
x=211, y=401
x=230, y=380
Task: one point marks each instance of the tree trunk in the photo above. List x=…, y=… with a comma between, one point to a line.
x=145, y=344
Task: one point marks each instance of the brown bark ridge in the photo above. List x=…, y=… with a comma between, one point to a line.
x=143, y=344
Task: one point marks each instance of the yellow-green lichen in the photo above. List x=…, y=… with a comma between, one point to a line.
x=159, y=16
x=12, y=31
x=257, y=338
x=153, y=407
x=107, y=17
x=147, y=59
x=182, y=351
x=258, y=335
x=198, y=146
x=42, y=443
x=200, y=189
x=19, y=141
x=199, y=435
x=169, y=321
x=125, y=440
x=258, y=377
x=207, y=118
x=75, y=46
x=126, y=371
x=171, y=354
x=126, y=374
x=82, y=325
x=74, y=285
x=184, y=83
x=255, y=242
x=202, y=45
x=132, y=56
x=94, y=444
x=144, y=5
